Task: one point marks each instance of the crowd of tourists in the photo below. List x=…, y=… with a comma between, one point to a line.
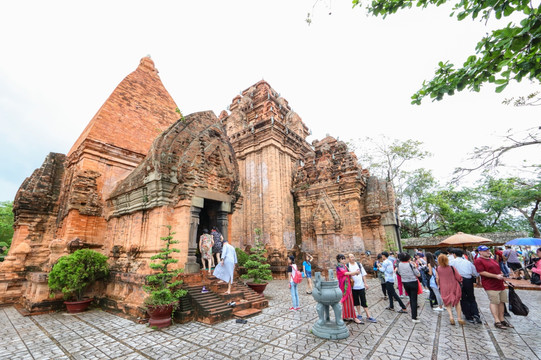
x=448, y=277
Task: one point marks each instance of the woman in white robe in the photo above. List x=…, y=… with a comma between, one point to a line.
x=226, y=267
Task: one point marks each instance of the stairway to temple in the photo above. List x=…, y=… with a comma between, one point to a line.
x=212, y=307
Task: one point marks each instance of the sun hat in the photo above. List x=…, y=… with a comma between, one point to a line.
x=482, y=248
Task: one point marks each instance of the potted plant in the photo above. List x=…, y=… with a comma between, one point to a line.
x=73, y=273
x=242, y=257
x=164, y=292
x=256, y=268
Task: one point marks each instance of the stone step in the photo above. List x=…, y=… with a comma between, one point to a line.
x=243, y=314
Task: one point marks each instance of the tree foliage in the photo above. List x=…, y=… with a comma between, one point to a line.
x=162, y=286
x=73, y=273
x=389, y=158
x=487, y=158
x=510, y=53
x=6, y=224
x=257, y=267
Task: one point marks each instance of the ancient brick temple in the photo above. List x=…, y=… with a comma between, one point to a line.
x=140, y=165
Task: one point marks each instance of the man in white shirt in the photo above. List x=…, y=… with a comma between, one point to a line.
x=468, y=272
x=359, y=288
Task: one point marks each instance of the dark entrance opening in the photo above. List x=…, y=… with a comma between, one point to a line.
x=208, y=217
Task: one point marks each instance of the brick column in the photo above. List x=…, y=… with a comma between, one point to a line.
x=192, y=267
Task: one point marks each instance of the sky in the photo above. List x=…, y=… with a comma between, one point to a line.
x=347, y=74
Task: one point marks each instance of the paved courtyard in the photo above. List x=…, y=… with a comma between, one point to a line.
x=275, y=334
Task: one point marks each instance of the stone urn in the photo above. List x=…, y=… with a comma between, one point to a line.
x=328, y=295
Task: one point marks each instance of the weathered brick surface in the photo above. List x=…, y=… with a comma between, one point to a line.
x=339, y=212
x=137, y=167
x=269, y=140
x=137, y=111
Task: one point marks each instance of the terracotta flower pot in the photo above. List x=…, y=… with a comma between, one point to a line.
x=258, y=288
x=77, y=306
x=160, y=315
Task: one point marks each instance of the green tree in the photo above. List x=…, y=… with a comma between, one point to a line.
x=416, y=217
x=6, y=222
x=510, y=53
x=389, y=158
x=162, y=286
x=522, y=195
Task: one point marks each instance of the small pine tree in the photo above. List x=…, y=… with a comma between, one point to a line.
x=161, y=287
x=256, y=266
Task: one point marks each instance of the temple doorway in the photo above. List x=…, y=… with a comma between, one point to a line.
x=208, y=217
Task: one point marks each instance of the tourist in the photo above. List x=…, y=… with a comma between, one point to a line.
x=398, y=278
x=387, y=268
x=536, y=269
x=421, y=265
x=380, y=275
x=475, y=254
x=431, y=264
x=344, y=282
x=410, y=275
x=293, y=287
x=513, y=262
x=205, y=247
x=467, y=270
x=359, y=288
x=498, y=256
x=448, y=280
x=492, y=282
x=307, y=271
x=217, y=247
x=225, y=270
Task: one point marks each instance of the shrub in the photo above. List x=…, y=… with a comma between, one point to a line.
x=73, y=273
x=257, y=269
x=161, y=287
x=242, y=257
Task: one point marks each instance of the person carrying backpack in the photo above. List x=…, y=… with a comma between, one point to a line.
x=293, y=286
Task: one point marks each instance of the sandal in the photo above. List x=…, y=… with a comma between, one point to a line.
x=506, y=324
x=499, y=325
x=452, y=321
x=462, y=322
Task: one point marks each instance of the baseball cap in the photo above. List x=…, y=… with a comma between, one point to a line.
x=482, y=248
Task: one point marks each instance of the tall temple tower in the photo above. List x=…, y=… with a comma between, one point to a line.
x=269, y=142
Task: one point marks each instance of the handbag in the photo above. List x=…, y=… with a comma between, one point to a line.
x=419, y=287
x=516, y=306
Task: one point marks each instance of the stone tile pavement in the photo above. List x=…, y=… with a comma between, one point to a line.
x=275, y=334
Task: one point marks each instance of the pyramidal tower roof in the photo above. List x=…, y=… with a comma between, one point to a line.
x=137, y=111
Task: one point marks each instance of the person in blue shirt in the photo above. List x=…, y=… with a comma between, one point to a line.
x=307, y=271
x=387, y=267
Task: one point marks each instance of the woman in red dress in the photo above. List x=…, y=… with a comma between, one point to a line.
x=344, y=282
x=449, y=280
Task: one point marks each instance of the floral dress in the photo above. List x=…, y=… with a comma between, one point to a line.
x=206, y=246
x=344, y=282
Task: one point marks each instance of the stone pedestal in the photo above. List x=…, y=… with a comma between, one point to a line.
x=328, y=295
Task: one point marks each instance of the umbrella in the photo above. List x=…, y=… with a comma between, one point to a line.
x=525, y=242
x=464, y=240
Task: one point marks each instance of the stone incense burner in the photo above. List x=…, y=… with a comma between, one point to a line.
x=328, y=295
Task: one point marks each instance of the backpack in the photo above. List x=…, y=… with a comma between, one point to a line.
x=297, y=275
x=515, y=304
